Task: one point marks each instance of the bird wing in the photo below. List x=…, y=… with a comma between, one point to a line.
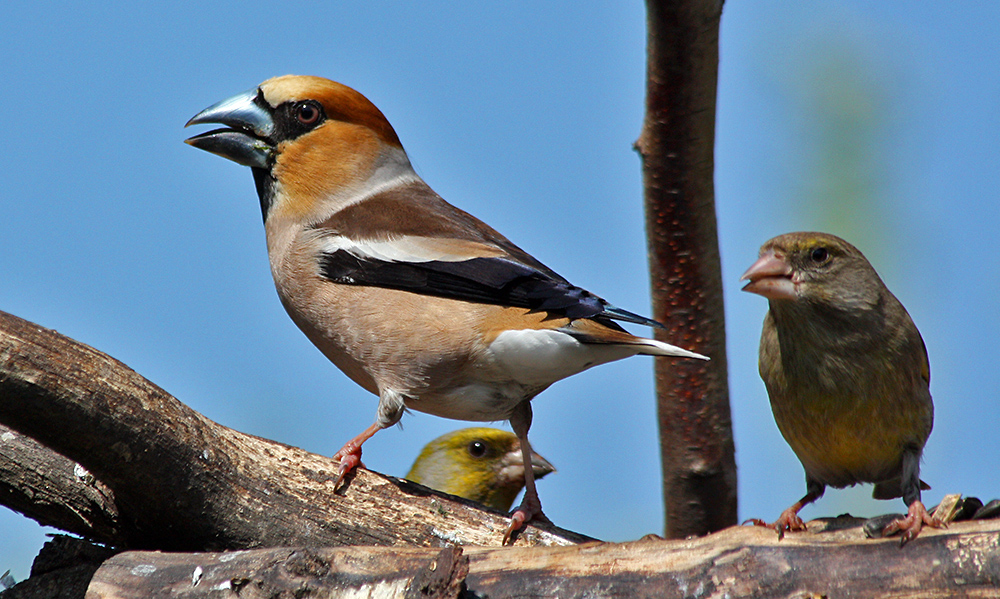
x=410, y=239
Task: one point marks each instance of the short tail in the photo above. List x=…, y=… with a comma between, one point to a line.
x=604, y=331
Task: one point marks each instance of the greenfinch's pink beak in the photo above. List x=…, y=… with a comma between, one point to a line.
x=771, y=277
x=512, y=466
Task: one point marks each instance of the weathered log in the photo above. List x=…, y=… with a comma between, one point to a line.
x=285, y=572
x=832, y=559
x=63, y=569
x=184, y=483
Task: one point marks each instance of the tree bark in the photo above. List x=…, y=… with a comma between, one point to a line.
x=63, y=569
x=832, y=559
x=54, y=491
x=677, y=146
x=284, y=572
x=181, y=482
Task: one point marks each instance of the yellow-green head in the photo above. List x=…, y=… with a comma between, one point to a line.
x=481, y=464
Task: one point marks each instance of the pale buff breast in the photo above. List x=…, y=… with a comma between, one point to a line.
x=428, y=349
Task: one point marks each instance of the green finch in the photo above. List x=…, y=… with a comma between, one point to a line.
x=846, y=372
x=481, y=464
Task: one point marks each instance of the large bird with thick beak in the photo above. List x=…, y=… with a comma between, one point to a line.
x=415, y=300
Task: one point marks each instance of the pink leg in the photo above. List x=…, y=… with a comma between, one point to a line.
x=349, y=455
x=910, y=526
x=531, y=506
x=789, y=519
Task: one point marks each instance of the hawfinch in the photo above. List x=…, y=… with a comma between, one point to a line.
x=414, y=299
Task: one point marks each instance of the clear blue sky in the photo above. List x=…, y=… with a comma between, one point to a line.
x=114, y=232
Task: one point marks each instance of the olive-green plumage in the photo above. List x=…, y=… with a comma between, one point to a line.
x=481, y=464
x=845, y=368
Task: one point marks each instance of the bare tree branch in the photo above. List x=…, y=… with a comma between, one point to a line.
x=677, y=149
x=184, y=483
x=53, y=490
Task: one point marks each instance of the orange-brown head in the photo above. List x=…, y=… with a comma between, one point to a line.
x=314, y=144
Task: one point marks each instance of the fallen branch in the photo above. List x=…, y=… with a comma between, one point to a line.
x=55, y=491
x=833, y=559
x=184, y=483
x=286, y=572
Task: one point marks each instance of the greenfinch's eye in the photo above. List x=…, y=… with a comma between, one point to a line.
x=820, y=255
x=477, y=449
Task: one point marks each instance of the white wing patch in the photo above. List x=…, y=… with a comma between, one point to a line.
x=410, y=248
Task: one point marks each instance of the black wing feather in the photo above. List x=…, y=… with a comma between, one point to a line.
x=485, y=280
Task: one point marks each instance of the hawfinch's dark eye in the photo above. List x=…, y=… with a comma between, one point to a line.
x=820, y=255
x=477, y=449
x=307, y=113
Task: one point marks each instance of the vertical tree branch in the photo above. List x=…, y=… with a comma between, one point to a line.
x=677, y=146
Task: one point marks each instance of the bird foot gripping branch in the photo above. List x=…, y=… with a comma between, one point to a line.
x=356, y=238
x=911, y=525
x=788, y=521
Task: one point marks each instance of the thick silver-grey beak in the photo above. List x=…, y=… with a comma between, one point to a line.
x=248, y=141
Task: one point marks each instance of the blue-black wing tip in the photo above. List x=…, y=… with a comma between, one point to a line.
x=626, y=316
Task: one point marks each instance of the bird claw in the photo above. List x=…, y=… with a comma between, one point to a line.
x=788, y=520
x=517, y=521
x=522, y=515
x=349, y=455
x=912, y=523
x=350, y=458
